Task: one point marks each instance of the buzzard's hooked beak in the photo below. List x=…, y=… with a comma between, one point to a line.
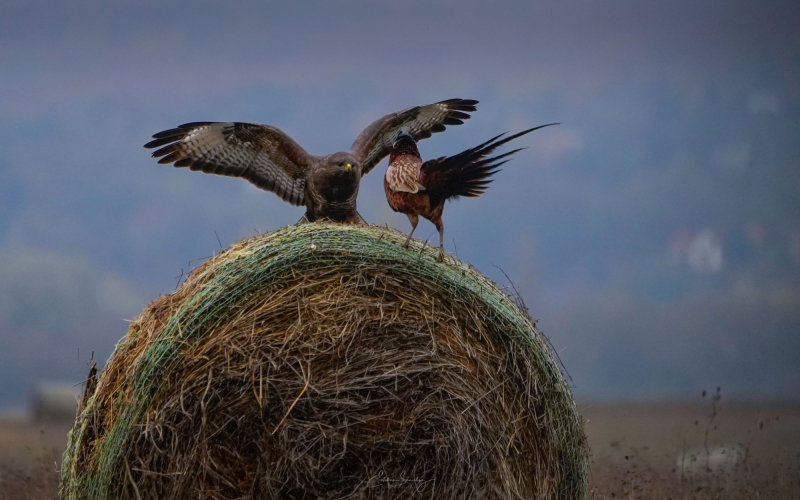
x=348, y=166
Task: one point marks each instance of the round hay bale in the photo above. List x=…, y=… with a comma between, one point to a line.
x=326, y=361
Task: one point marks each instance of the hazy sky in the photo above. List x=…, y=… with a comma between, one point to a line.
x=655, y=234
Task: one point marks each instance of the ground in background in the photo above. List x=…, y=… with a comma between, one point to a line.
x=642, y=450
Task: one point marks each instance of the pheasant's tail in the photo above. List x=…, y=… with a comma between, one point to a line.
x=467, y=173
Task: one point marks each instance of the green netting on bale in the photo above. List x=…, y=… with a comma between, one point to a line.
x=327, y=361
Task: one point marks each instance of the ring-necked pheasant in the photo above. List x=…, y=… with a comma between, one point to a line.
x=420, y=189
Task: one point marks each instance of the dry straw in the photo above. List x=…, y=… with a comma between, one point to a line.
x=326, y=361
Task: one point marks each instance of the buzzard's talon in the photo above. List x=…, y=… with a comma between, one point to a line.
x=359, y=221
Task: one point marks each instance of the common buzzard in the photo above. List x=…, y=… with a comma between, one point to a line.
x=415, y=188
x=271, y=160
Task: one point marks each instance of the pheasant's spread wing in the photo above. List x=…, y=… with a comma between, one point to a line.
x=375, y=142
x=262, y=154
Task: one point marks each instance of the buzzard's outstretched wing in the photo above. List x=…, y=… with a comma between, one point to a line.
x=262, y=154
x=376, y=141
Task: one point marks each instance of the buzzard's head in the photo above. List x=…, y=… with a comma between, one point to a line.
x=342, y=162
x=336, y=178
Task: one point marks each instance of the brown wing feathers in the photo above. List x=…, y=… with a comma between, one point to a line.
x=449, y=112
x=375, y=142
x=467, y=173
x=262, y=154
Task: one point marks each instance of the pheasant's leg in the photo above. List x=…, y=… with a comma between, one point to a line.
x=414, y=220
x=440, y=227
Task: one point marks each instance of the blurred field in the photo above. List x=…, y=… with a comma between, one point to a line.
x=29, y=456
x=640, y=450
x=658, y=450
